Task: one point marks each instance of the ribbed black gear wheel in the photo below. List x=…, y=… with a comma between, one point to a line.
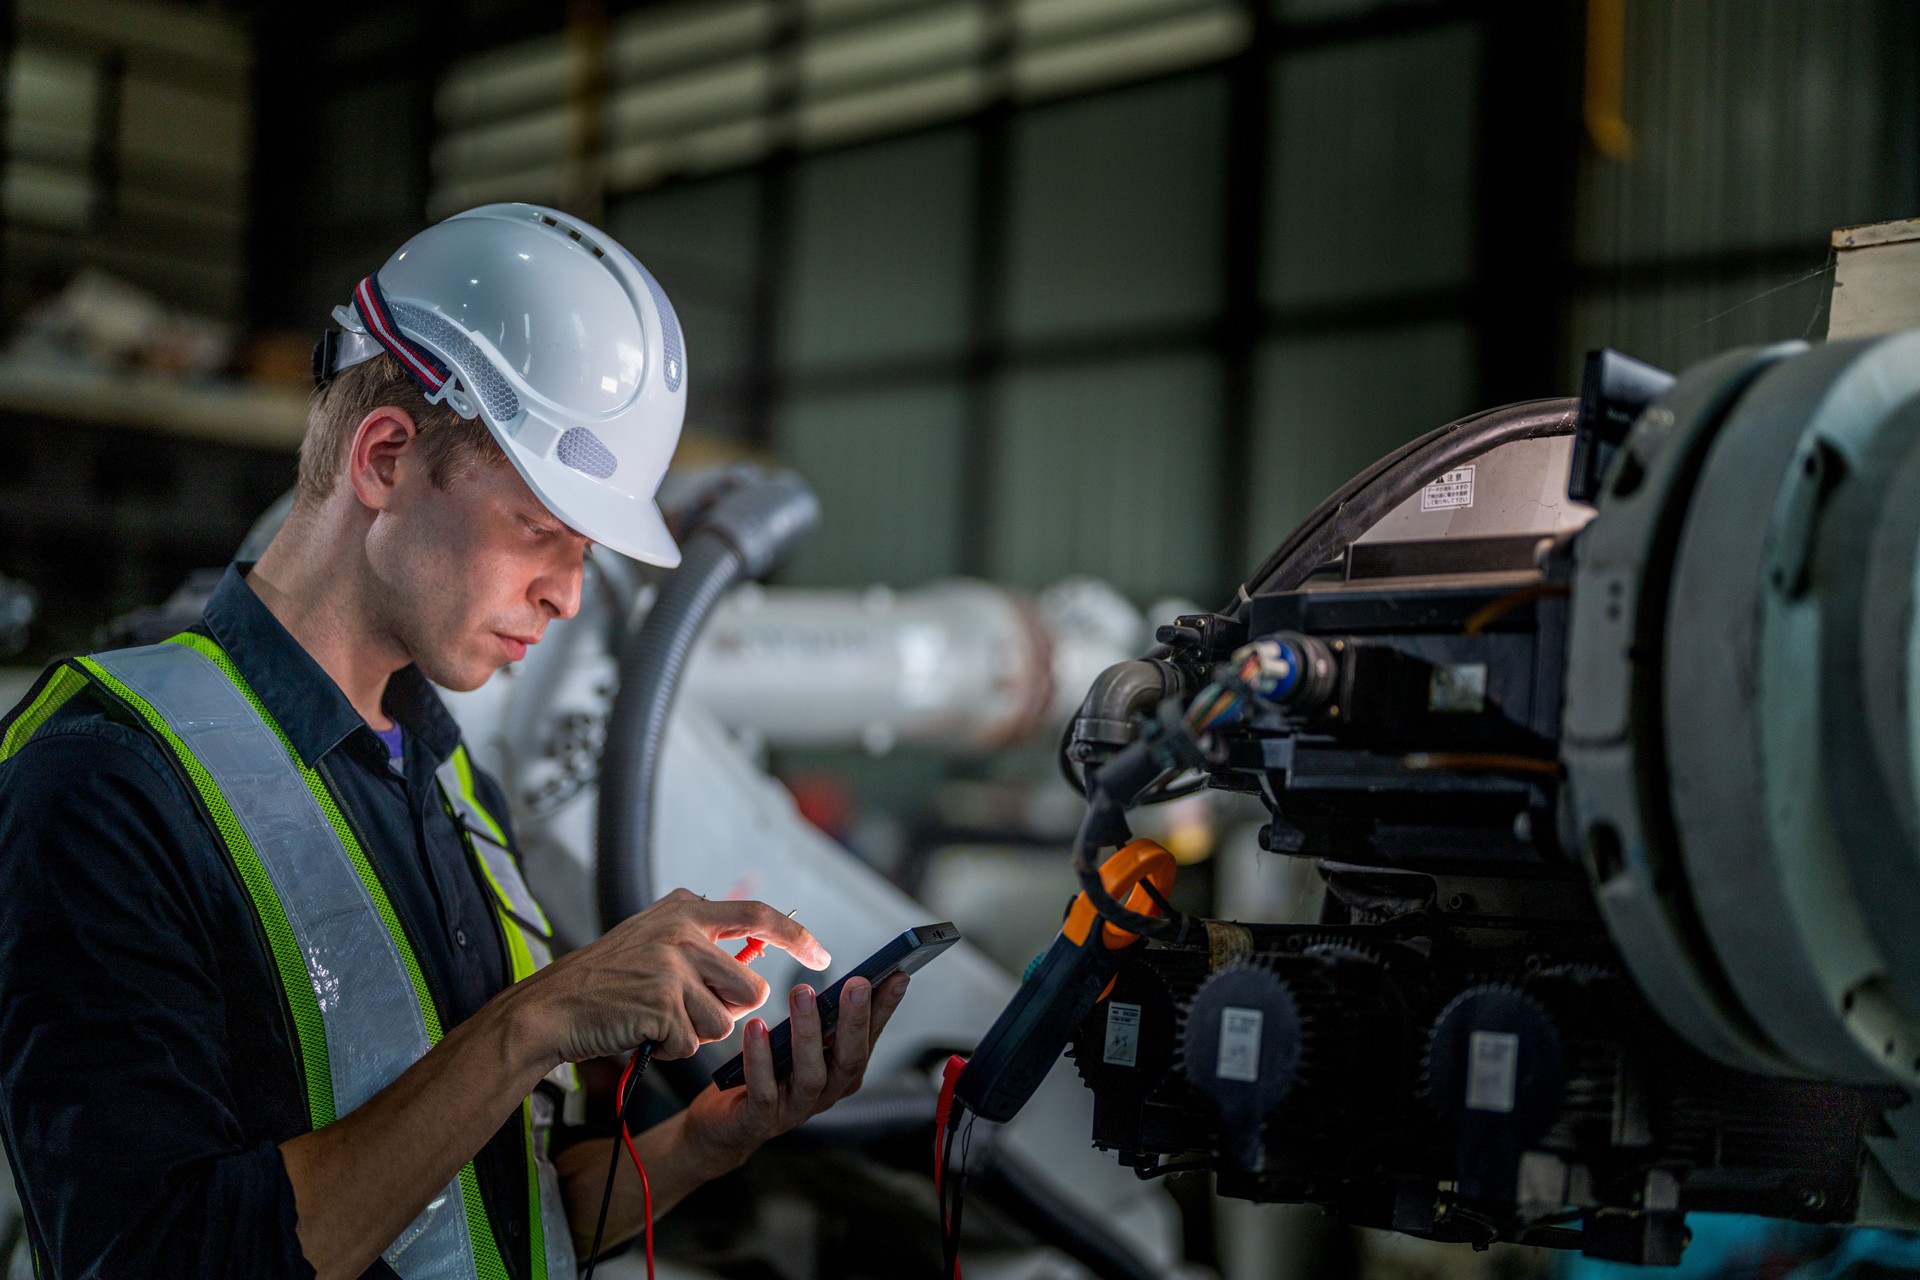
x=1126, y=1044
x=1246, y=1046
x=1494, y=1072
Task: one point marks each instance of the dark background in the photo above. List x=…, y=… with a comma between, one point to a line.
x=1120, y=287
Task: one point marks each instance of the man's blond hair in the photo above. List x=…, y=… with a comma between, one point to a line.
x=449, y=443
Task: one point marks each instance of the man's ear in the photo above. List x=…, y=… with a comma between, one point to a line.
x=381, y=452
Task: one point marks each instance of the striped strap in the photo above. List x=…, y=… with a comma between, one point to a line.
x=424, y=367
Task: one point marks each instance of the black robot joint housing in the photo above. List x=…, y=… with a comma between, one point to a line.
x=1591, y=715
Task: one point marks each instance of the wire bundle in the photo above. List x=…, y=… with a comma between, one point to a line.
x=950, y=1192
x=629, y=1085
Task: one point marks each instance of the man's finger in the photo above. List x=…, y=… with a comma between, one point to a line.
x=736, y=986
x=763, y=1090
x=809, y=1074
x=679, y=1041
x=708, y=1018
x=850, y=1034
x=886, y=999
x=723, y=920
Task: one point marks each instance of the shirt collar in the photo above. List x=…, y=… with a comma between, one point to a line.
x=298, y=693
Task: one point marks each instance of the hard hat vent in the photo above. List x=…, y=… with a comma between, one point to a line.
x=573, y=233
x=582, y=450
x=669, y=332
x=430, y=326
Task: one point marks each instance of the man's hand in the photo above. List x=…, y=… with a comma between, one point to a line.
x=727, y=1126
x=658, y=976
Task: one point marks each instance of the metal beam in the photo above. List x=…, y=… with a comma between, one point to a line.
x=1243, y=246
x=1526, y=184
x=985, y=355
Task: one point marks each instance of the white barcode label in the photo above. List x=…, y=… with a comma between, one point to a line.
x=1239, y=1045
x=1493, y=1064
x=1123, y=1034
x=1454, y=489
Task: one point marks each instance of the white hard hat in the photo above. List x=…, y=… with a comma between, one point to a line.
x=557, y=339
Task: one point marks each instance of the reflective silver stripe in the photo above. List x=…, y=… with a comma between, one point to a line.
x=374, y=1026
x=503, y=872
x=561, y=1263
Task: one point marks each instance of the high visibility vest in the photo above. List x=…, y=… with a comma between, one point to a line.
x=357, y=1001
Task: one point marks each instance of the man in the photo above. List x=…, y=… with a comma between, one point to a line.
x=274, y=1000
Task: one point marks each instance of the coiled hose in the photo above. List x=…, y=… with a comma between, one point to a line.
x=741, y=536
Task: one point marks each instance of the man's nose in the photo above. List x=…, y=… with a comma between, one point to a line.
x=558, y=591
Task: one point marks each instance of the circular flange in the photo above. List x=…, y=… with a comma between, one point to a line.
x=1867, y=569
x=1744, y=705
x=1614, y=806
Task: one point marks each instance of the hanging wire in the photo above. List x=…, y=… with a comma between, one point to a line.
x=1822, y=269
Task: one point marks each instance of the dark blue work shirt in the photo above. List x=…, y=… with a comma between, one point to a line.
x=147, y=1071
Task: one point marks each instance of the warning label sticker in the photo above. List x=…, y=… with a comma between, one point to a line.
x=1493, y=1068
x=1454, y=489
x=1123, y=1034
x=1239, y=1045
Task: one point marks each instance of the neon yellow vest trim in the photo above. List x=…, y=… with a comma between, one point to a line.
x=307, y=991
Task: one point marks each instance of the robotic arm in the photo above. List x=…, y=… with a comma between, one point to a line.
x=1595, y=719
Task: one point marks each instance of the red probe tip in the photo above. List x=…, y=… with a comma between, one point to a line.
x=756, y=947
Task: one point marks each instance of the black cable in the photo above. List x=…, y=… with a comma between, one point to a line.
x=651, y=661
x=1102, y=809
x=957, y=1189
x=1159, y=898
x=1359, y=504
x=641, y=1057
x=1078, y=781
x=949, y=1229
x=1173, y=1167
x=1161, y=793
x=744, y=531
x=606, y=1199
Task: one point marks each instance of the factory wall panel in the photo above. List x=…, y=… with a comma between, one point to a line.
x=1117, y=207
x=879, y=265
x=1370, y=182
x=884, y=463
x=371, y=128
x=127, y=141
x=701, y=239
x=1756, y=124
x=1328, y=407
x=1108, y=469
x=1322, y=10
x=367, y=128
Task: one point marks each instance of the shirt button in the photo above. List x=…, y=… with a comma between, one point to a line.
x=460, y=936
